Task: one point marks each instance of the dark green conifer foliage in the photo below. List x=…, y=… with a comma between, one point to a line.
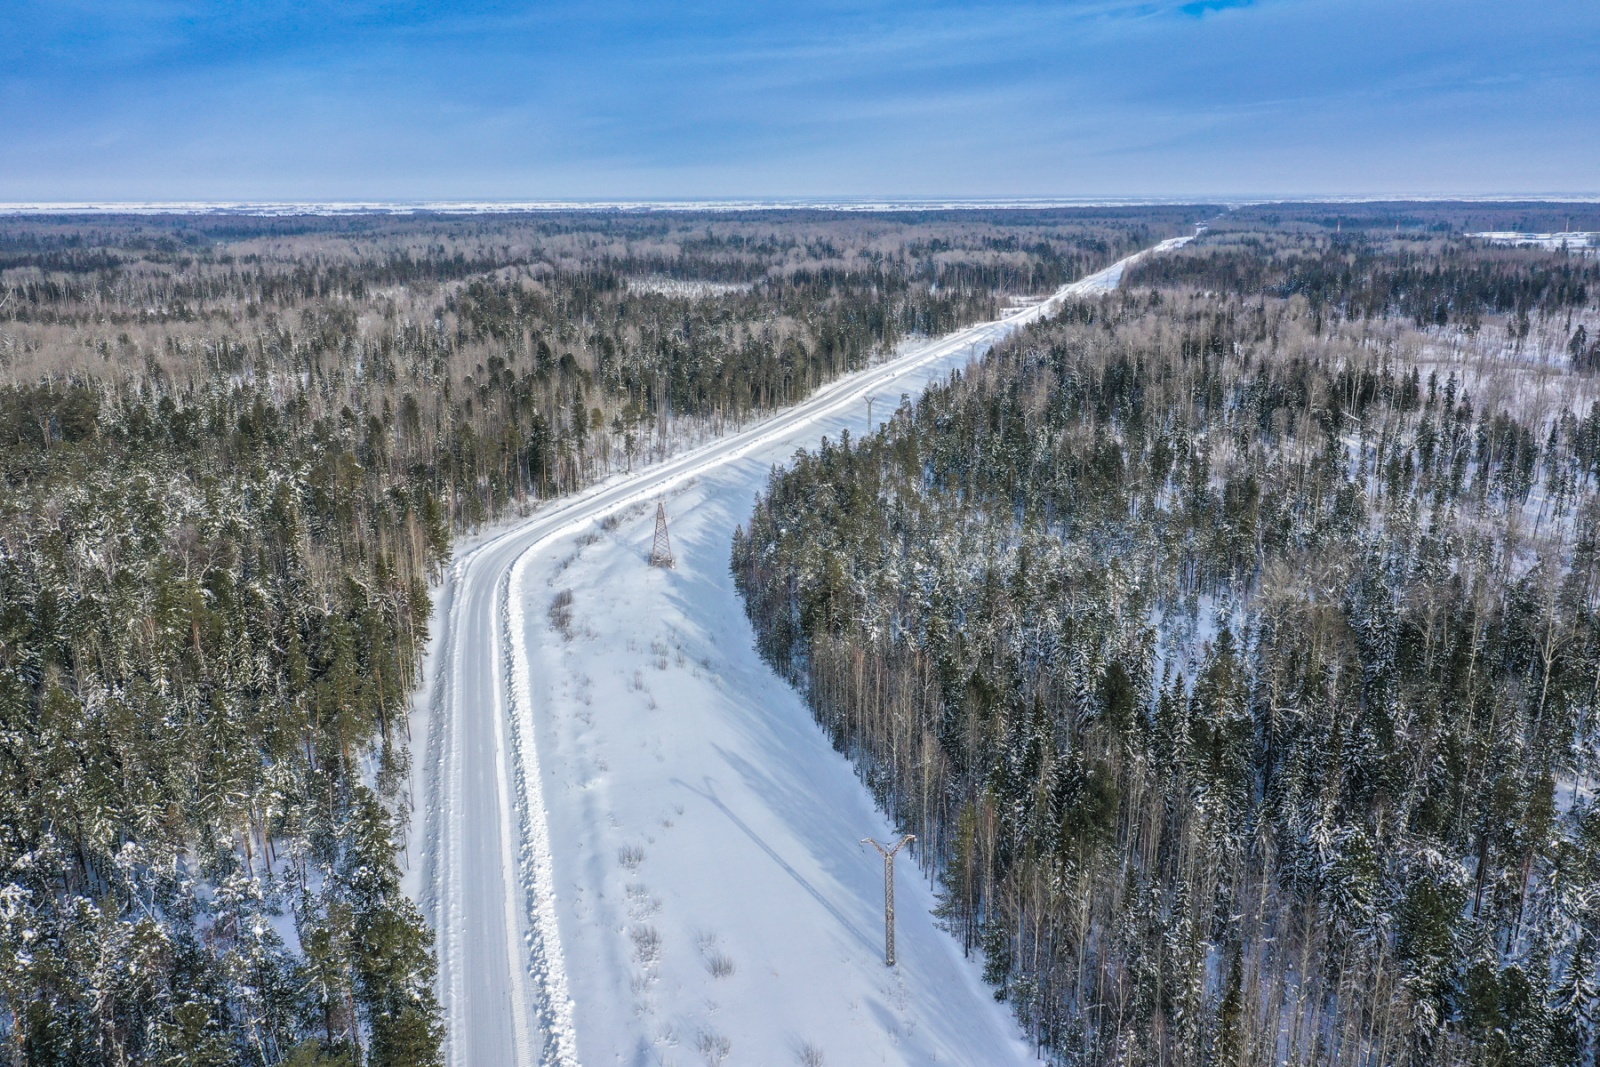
x=1238, y=679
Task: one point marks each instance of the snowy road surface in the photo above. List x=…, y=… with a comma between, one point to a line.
x=634, y=843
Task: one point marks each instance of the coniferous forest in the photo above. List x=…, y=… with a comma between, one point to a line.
x=1231, y=644
x=236, y=451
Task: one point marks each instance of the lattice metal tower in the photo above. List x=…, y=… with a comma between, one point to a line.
x=888, y=893
x=661, y=547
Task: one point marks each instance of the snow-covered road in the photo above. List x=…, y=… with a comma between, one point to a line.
x=634, y=844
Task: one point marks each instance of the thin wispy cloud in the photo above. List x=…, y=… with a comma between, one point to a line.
x=366, y=99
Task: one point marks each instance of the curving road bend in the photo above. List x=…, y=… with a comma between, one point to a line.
x=483, y=869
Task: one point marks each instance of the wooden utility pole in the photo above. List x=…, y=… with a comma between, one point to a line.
x=888, y=892
x=661, y=547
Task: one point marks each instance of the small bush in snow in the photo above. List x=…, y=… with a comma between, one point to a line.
x=714, y=1048
x=561, y=613
x=646, y=944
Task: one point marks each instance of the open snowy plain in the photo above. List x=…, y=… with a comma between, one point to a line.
x=633, y=841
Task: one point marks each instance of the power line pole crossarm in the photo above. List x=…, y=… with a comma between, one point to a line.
x=888, y=854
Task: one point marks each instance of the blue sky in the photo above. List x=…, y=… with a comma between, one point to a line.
x=171, y=99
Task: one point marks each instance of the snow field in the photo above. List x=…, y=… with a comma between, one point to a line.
x=707, y=836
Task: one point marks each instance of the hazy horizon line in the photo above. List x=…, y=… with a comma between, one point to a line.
x=488, y=205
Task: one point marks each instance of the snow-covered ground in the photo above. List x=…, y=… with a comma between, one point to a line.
x=1572, y=240
x=634, y=843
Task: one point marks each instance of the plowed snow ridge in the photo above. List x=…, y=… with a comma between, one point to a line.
x=490, y=876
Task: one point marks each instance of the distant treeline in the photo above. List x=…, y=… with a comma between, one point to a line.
x=1360, y=277
x=1419, y=216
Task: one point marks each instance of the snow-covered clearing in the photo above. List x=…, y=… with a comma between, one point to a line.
x=684, y=288
x=634, y=844
x=1573, y=241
